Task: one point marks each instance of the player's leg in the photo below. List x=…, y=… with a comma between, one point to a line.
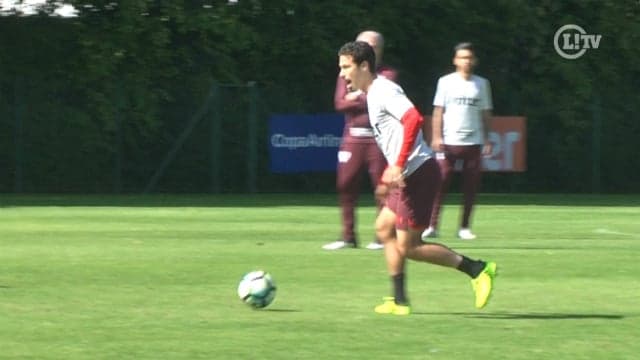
x=414, y=207
x=446, y=160
x=348, y=186
x=482, y=273
x=410, y=246
x=411, y=212
x=471, y=174
x=348, y=179
x=385, y=230
x=376, y=165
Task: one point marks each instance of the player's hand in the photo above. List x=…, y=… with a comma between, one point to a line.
x=353, y=95
x=393, y=177
x=437, y=145
x=382, y=190
x=487, y=149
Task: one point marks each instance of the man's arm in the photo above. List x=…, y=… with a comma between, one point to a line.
x=345, y=102
x=439, y=100
x=486, y=118
x=486, y=128
x=426, y=131
x=436, y=129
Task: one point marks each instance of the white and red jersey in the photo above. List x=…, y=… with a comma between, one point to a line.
x=463, y=101
x=388, y=108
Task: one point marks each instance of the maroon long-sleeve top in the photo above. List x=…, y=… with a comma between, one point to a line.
x=356, y=117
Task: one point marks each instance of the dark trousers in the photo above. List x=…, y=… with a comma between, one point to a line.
x=470, y=155
x=353, y=159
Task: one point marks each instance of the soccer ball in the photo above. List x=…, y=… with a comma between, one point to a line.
x=257, y=289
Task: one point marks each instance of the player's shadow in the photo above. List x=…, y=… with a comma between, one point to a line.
x=529, y=316
x=282, y=310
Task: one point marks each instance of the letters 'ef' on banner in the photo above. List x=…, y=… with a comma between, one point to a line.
x=305, y=142
x=509, y=138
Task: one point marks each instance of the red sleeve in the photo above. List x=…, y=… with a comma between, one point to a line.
x=412, y=123
x=342, y=105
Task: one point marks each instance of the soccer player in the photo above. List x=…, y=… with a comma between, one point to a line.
x=409, y=183
x=358, y=150
x=461, y=123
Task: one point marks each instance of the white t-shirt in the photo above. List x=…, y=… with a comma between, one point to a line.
x=463, y=102
x=387, y=104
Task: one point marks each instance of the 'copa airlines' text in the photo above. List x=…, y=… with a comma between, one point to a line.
x=311, y=140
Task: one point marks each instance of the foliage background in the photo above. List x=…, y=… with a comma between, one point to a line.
x=97, y=101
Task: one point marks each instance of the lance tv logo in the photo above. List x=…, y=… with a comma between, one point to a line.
x=572, y=41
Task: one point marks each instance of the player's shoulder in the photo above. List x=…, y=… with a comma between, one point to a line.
x=448, y=80
x=448, y=77
x=385, y=86
x=479, y=79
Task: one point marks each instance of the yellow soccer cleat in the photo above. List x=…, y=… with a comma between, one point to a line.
x=402, y=310
x=389, y=306
x=483, y=284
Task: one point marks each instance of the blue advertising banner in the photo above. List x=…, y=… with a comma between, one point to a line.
x=304, y=142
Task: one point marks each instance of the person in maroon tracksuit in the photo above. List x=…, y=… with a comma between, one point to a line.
x=358, y=150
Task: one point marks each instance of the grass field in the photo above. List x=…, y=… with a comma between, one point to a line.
x=155, y=278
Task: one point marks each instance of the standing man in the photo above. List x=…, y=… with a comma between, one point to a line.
x=358, y=150
x=409, y=183
x=461, y=123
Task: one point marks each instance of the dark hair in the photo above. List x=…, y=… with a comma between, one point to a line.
x=360, y=51
x=463, y=46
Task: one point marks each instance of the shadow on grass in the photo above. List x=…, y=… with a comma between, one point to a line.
x=530, y=316
x=281, y=310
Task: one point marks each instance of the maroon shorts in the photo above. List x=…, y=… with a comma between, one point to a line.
x=413, y=203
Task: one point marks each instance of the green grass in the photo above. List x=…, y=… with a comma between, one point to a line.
x=155, y=278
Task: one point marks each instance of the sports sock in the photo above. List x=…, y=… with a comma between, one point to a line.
x=470, y=267
x=398, y=289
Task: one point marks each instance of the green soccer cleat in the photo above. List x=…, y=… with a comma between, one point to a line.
x=483, y=284
x=389, y=306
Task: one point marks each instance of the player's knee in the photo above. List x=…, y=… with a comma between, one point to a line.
x=404, y=249
x=384, y=231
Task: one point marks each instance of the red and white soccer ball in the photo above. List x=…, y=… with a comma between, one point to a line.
x=257, y=289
